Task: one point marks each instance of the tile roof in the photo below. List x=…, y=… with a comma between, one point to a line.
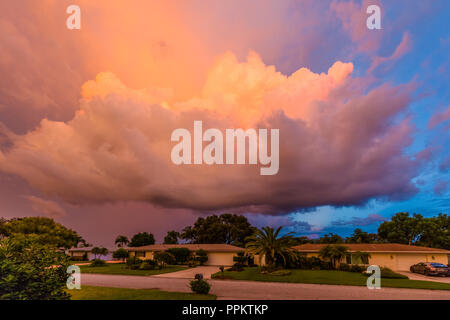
x=373, y=247
x=192, y=247
x=88, y=249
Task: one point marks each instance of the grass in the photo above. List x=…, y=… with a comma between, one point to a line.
x=329, y=277
x=121, y=268
x=105, y=293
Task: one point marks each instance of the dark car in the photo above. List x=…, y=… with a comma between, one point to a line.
x=430, y=268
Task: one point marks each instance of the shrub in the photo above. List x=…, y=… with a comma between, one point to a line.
x=356, y=268
x=201, y=256
x=26, y=271
x=134, y=262
x=120, y=253
x=344, y=267
x=181, y=254
x=164, y=258
x=326, y=265
x=200, y=286
x=97, y=263
x=192, y=263
x=148, y=265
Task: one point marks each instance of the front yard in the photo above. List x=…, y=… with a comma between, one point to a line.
x=105, y=293
x=121, y=268
x=328, y=277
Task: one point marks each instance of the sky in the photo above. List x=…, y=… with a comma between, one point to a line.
x=86, y=115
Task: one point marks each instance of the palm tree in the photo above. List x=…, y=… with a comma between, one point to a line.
x=267, y=243
x=121, y=241
x=334, y=253
x=361, y=257
x=99, y=251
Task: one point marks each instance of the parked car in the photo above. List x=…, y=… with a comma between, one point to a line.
x=430, y=268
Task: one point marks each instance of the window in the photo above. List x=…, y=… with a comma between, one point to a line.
x=348, y=259
x=140, y=254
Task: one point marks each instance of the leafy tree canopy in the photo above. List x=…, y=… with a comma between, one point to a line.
x=46, y=230
x=226, y=228
x=28, y=272
x=142, y=239
x=403, y=228
x=171, y=237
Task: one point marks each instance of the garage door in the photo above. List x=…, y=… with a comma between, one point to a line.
x=220, y=259
x=404, y=261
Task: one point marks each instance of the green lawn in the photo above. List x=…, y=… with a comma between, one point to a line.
x=121, y=268
x=330, y=277
x=105, y=293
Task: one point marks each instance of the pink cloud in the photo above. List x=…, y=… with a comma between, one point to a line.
x=403, y=47
x=48, y=208
x=338, y=143
x=439, y=118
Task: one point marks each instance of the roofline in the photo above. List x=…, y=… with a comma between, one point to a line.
x=379, y=251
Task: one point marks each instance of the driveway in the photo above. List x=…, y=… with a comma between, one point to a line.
x=250, y=290
x=190, y=273
x=417, y=276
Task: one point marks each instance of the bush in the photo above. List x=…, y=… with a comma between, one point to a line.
x=201, y=256
x=97, y=263
x=120, y=253
x=200, y=286
x=344, y=267
x=357, y=268
x=164, y=258
x=326, y=265
x=192, y=264
x=181, y=254
x=26, y=271
x=134, y=263
x=148, y=265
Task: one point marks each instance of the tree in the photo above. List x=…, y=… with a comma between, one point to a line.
x=201, y=256
x=435, y=232
x=47, y=231
x=120, y=253
x=226, y=228
x=171, y=237
x=121, y=241
x=360, y=257
x=27, y=272
x=333, y=253
x=360, y=236
x=3, y=230
x=164, y=258
x=330, y=238
x=99, y=251
x=181, y=254
x=402, y=228
x=268, y=243
x=142, y=239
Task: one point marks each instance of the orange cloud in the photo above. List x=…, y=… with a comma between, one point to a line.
x=338, y=144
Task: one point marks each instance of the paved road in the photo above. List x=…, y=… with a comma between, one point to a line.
x=190, y=273
x=417, y=276
x=235, y=290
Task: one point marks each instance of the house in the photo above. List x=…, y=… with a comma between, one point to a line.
x=398, y=257
x=85, y=254
x=218, y=254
